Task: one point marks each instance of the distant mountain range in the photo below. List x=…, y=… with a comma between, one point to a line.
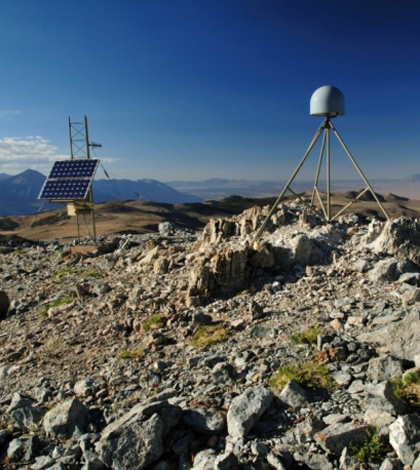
x=217, y=188
x=19, y=194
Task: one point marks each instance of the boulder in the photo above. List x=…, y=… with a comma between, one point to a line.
x=336, y=437
x=407, y=330
x=390, y=270
x=246, y=409
x=293, y=395
x=404, y=437
x=136, y=439
x=382, y=397
x=400, y=237
x=67, y=420
x=384, y=368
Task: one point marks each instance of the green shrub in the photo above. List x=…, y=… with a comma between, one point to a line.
x=310, y=375
x=368, y=449
x=407, y=388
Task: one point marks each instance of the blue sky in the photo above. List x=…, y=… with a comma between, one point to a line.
x=189, y=90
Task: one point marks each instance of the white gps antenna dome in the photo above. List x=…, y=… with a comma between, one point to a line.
x=327, y=101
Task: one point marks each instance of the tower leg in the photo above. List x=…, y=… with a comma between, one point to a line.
x=314, y=140
x=360, y=173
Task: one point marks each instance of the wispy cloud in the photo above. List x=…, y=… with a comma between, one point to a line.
x=18, y=154
x=5, y=112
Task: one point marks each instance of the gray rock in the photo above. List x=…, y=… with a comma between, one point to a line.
x=293, y=395
x=314, y=461
x=382, y=397
x=28, y=416
x=389, y=270
x=256, y=311
x=246, y=409
x=68, y=419
x=19, y=401
x=361, y=265
x=342, y=378
x=378, y=418
x=15, y=449
x=205, y=459
x=136, y=439
x=222, y=373
x=83, y=388
x=410, y=278
x=384, y=368
x=404, y=437
x=336, y=437
x=407, y=330
x=42, y=462
x=206, y=421
x=133, y=446
x=392, y=464
x=276, y=462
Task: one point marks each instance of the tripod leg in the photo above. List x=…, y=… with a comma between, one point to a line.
x=321, y=156
x=262, y=228
x=328, y=176
x=360, y=173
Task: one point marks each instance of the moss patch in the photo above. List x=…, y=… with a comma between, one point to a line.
x=310, y=375
x=138, y=352
x=308, y=336
x=56, y=303
x=210, y=334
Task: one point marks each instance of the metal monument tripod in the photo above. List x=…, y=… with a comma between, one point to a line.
x=329, y=102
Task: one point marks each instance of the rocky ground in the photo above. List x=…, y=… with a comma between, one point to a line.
x=100, y=366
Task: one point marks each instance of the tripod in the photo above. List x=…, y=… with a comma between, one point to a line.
x=324, y=129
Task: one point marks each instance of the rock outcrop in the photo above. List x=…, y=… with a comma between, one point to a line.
x=166, y=351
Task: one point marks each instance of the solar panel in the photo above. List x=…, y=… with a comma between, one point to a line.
x=69, y=179
x=74, y=169
x=65, y=189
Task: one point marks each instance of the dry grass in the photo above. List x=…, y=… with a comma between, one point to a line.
x=209, y=335
x=133, y=354
x=310, y=375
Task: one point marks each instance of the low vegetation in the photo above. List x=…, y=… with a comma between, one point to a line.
x=309, y=375
x=56, y=303
x=407, y=388
x=308, y=336
x=91, y=273
x=153, y=320
x=135, y=353
x=210, y=334
x=369, y=449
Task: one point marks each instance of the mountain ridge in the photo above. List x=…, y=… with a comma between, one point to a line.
x=19, y=193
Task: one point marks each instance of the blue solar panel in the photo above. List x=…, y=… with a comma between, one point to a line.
x=65, y=189
x=85, y=168
x=69, y=179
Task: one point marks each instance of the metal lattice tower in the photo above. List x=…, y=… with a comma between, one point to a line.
x=80, y=149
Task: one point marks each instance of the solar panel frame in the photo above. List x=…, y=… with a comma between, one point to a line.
x=74, y=169
x=69, y=179
x=65, y=189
